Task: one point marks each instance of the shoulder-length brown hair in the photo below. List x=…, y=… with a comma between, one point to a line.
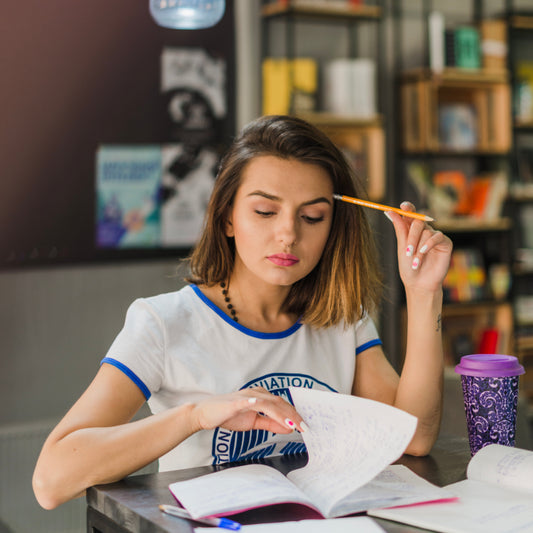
x=346, y=281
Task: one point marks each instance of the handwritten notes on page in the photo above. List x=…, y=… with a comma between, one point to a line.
x=507, y=467
x=350, y=440
x=360, y=524
x=496, y=497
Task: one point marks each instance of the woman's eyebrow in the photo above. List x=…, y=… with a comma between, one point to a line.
x=320, y=199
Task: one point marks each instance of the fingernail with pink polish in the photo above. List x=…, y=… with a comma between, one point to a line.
x=409, y=251
x=424, y=249
x=304, y=427
x=415, y=264
x=290, y=423
x=252, y=400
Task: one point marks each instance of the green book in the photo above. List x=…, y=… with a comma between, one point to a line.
x=467, y=49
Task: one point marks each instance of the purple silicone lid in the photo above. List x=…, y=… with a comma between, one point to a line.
x=489, y=365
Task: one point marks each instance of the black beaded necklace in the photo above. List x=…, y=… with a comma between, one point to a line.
x=229, y=305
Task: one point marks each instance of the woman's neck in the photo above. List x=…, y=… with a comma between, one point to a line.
x=260, y=306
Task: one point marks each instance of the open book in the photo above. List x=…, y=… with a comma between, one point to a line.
x=350, y=443
x=497, y=496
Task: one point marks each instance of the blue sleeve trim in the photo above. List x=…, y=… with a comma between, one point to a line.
x=366, y=345
x=132, y=375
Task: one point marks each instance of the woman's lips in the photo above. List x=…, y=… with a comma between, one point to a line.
x=283, y=259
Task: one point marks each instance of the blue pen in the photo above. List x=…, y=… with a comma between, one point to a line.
x=224, y=523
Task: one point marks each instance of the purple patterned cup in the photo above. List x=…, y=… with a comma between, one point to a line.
x=490, y=391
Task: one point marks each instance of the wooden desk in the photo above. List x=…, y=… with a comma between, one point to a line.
x=131, y=505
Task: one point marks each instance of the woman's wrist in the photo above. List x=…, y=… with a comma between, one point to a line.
x=187, y=414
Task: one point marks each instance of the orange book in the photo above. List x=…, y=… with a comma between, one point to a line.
x=456, y=183
x=479, y=196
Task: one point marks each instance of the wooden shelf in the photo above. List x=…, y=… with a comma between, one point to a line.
x=523, y=124
x=521, y=192
x=485, y=93
x=473, y=307
x=330, y=119
x=522, y=270
x=464, y=225
x=457, y=76
x=358, y=136
x=321, y=9
x=522, y=22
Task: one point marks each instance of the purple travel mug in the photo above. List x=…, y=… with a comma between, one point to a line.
x=490, y=391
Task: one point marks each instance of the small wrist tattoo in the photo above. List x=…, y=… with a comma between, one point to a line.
x=439, y=323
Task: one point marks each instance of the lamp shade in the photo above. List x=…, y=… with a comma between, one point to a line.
x=187, y=14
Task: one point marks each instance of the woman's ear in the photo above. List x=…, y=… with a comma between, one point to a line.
x=229, y=227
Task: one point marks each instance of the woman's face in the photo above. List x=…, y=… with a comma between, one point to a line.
x=280, y=220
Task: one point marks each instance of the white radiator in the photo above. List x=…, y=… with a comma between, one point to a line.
x=19, y=511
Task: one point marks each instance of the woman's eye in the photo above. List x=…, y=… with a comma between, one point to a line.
x=264, y=213
x=312, y=220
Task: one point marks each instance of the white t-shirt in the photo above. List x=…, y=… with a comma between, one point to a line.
x=180, y=347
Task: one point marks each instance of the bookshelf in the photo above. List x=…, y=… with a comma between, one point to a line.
x=458, y=120
x=454, y=111
x=520, y=65
x=293, y=81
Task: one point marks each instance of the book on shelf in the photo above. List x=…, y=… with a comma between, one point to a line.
x=497, y=496
x=289, y=85
x=455, y=184
x=350, y=87
x=458, y=126
x=449, y=47
x=351, y=443
x=481, y=197
x=488, y=192
x=436, y=41
x=466, y=47
x=462, y=48
x=493, y=36
x=466, y=277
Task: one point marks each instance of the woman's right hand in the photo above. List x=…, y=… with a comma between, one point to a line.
x=247, y=409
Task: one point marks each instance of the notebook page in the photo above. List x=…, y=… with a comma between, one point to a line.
x=349, y=441
x=235, y=489
x=481, y=508
x=504, y=466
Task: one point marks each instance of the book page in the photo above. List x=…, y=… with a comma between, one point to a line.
x=236, y=489
x=504, y=466
x=396, y=485
x=349, y=441
x=360, y=524
x=481, y=508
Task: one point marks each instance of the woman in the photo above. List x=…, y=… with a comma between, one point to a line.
x=282, y=283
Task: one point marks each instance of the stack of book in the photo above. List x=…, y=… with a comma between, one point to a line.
x=467, y=47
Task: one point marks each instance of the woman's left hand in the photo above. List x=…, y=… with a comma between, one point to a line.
x=423, y=252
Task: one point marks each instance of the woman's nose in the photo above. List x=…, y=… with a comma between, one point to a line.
x=288, y=230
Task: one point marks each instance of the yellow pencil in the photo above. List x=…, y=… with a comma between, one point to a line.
x=373, y=205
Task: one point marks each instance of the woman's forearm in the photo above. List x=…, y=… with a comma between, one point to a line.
x=69, y=464
x=421, y=382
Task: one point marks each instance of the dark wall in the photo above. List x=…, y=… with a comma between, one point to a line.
x=75, y=75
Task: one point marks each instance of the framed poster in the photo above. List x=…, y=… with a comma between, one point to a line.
x=108, y=80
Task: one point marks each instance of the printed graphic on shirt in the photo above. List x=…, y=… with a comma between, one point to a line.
x=229, y=446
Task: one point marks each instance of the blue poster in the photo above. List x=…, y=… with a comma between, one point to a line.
x=127, y=186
